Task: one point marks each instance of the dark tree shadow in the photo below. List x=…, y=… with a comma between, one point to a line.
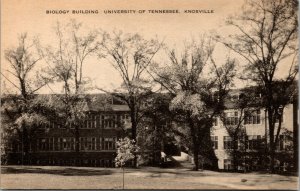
x=63, y=172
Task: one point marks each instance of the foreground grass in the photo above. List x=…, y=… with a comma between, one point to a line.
x=55, y=177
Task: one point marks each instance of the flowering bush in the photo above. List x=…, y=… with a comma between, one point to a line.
x=126, y=149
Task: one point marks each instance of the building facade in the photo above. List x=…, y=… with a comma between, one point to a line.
x=251, y=146
x=55, y=145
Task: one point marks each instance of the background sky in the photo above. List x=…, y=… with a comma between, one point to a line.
x=19, y=16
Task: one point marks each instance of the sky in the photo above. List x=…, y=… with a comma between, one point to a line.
x=19, y=16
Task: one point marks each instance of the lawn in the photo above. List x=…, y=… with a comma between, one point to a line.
x=46, y=177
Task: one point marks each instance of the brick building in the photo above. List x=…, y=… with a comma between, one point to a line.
x=55, y=145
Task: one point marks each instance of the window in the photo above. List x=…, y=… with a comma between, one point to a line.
x=253, y=142
x=228, y=164
x=90, y=122
x=93, y=143
x=49, y=125
x=43, y=144
x=58, y=144
x=109, y=121
x=215, y=121
x=66, y=143
x=86, y=124
x=122, y=119
x=109, y=143
x=114, y=121
x=51, y=144
x=83, y=143
x=102, y=121
x=118, y=120
x=252, y=117
x=100, y=144
x=72, y=140
x=231, y=118
x=228, y=143
x=95, y=121
x=214, y=140
x=125, y=119
x=88, y=143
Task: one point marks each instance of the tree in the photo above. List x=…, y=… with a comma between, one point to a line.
x=130, y=55
x=65, y=64
x=266, y=37
x=126, y=149
x=19, y=111
x=284, y=92
x=246, y=105
x=157, y=125
x=198, y=94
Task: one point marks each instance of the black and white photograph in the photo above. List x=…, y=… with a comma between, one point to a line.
x=148, y=94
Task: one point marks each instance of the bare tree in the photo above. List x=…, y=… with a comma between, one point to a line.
x=19, y=112
x=246, y=105
x=266, y=37
x=198, y=94
x=65, y=63
x=130, y=55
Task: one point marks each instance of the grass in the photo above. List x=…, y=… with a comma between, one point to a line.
x=56, y=177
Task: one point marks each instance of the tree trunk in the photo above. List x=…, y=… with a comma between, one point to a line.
x=133, y=124
x=295, y=135
x=156, y=144
x=25, y=147
x=195, y=144
x=208, y=151
x=133, y=129
x=77, y=145
x=196, y=158
x=272, y=144
x=272, y=156
x=235, y=152
x=234, y=159
x=23, y=88
x=123, y=178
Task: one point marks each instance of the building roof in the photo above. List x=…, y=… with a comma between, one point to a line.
x=92, y=102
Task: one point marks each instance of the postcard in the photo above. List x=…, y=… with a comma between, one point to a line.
x=147, y=94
